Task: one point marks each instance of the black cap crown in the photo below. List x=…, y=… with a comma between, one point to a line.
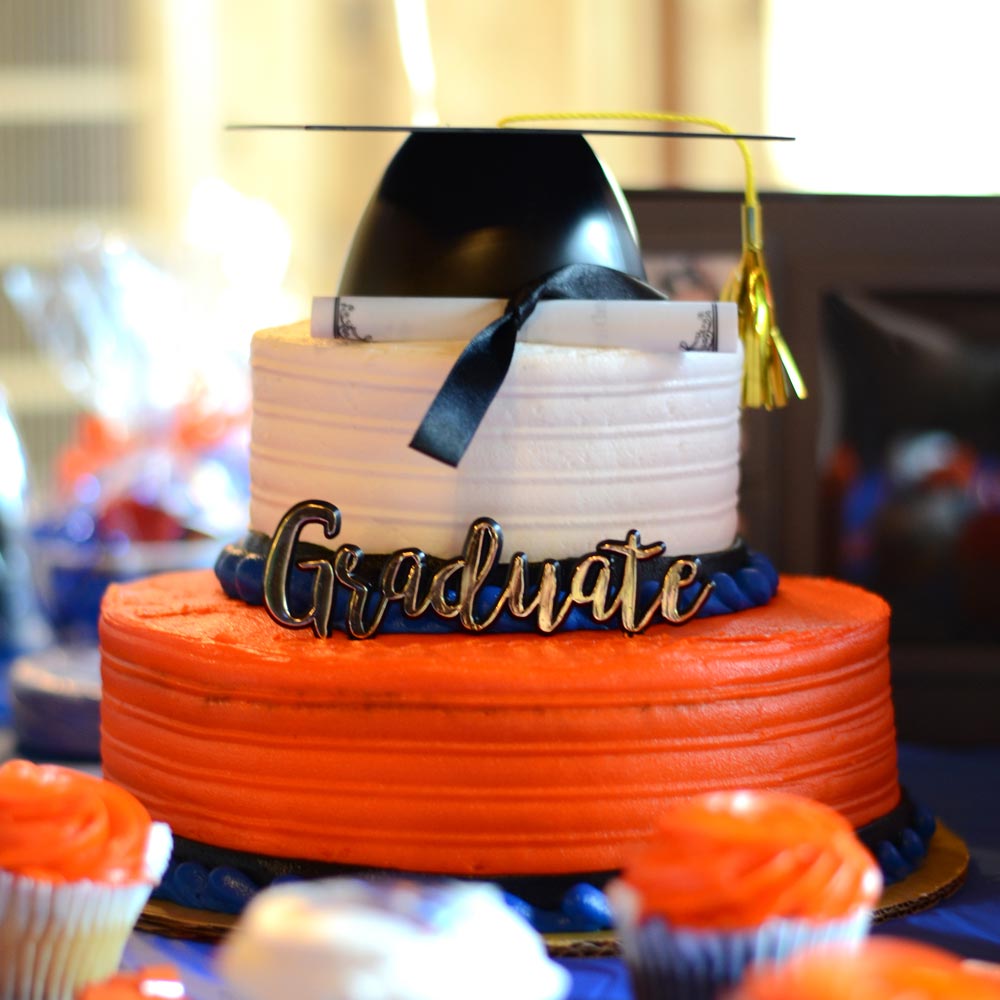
x=469, y=213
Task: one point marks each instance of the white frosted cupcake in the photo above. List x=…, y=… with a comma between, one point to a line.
x=346, y=939
x=734, y=879
x=78, y=860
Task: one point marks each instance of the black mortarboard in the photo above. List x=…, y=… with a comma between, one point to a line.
x=482, y=212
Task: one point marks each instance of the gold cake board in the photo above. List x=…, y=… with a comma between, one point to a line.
x=941, y=874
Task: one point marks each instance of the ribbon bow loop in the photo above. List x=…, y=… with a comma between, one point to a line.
x=461, y=403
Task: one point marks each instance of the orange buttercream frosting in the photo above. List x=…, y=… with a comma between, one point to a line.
x=488, y=754
x=155, y=982
x=61, y=825
x=730, y=860
x=880, y=969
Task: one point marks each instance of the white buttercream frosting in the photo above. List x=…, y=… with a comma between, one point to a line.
x=344, y=939
x=159, y=847
x=581, y=444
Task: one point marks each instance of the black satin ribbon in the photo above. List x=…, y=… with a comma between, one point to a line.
x=461, y=403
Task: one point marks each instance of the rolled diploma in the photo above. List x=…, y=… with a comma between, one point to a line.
x=637, y=324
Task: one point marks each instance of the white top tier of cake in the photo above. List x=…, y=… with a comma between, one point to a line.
x=581, y=444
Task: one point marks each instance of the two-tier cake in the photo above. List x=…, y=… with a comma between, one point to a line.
x=503, y=667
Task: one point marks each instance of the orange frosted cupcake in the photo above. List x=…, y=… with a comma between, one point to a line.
x=735, y=878
x=156, y=982
x=880, y=969
x=78, y=859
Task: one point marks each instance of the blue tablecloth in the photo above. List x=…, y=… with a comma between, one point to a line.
x=961, y=786
x=963, y=789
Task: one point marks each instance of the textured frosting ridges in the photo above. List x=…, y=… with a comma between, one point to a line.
x=488, y=754
x=581, y=444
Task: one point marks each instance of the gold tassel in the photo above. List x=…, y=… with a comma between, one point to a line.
x=768, y=366
x=769, y=369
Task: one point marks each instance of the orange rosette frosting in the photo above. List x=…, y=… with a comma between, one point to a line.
x=731, y=860
x=61, y=825
x=879, y=969
x=156, y=982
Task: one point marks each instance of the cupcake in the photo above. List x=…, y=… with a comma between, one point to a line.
x=879, y=969
x=734, y=878
x=78, y=859
x=348, y=939
x=156, y=982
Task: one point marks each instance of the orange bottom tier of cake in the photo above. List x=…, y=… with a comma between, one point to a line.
x=487, y=754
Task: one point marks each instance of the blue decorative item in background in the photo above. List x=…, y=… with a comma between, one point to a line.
x=21, y=626
x=55, y=702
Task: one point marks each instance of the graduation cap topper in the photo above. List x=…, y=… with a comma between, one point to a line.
x=524, y=214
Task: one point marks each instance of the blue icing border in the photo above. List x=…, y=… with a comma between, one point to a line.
x=902, y=856
x=583, y=908
x=240, y=572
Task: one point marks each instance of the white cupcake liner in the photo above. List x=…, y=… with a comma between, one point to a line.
x=668, y=962
x=55, y=937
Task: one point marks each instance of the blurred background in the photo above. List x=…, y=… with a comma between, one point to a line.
x=142, y=243
x=112, y=116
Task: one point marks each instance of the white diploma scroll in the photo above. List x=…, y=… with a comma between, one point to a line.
x=624, y=323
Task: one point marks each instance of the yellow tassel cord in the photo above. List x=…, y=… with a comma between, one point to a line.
x=769, y=369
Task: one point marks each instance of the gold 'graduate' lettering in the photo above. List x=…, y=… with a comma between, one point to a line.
x=455, y=589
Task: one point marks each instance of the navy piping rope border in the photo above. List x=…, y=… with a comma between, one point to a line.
x=742, y=579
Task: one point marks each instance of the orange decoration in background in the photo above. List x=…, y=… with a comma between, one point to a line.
x=880, y=969
x=155, y=982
